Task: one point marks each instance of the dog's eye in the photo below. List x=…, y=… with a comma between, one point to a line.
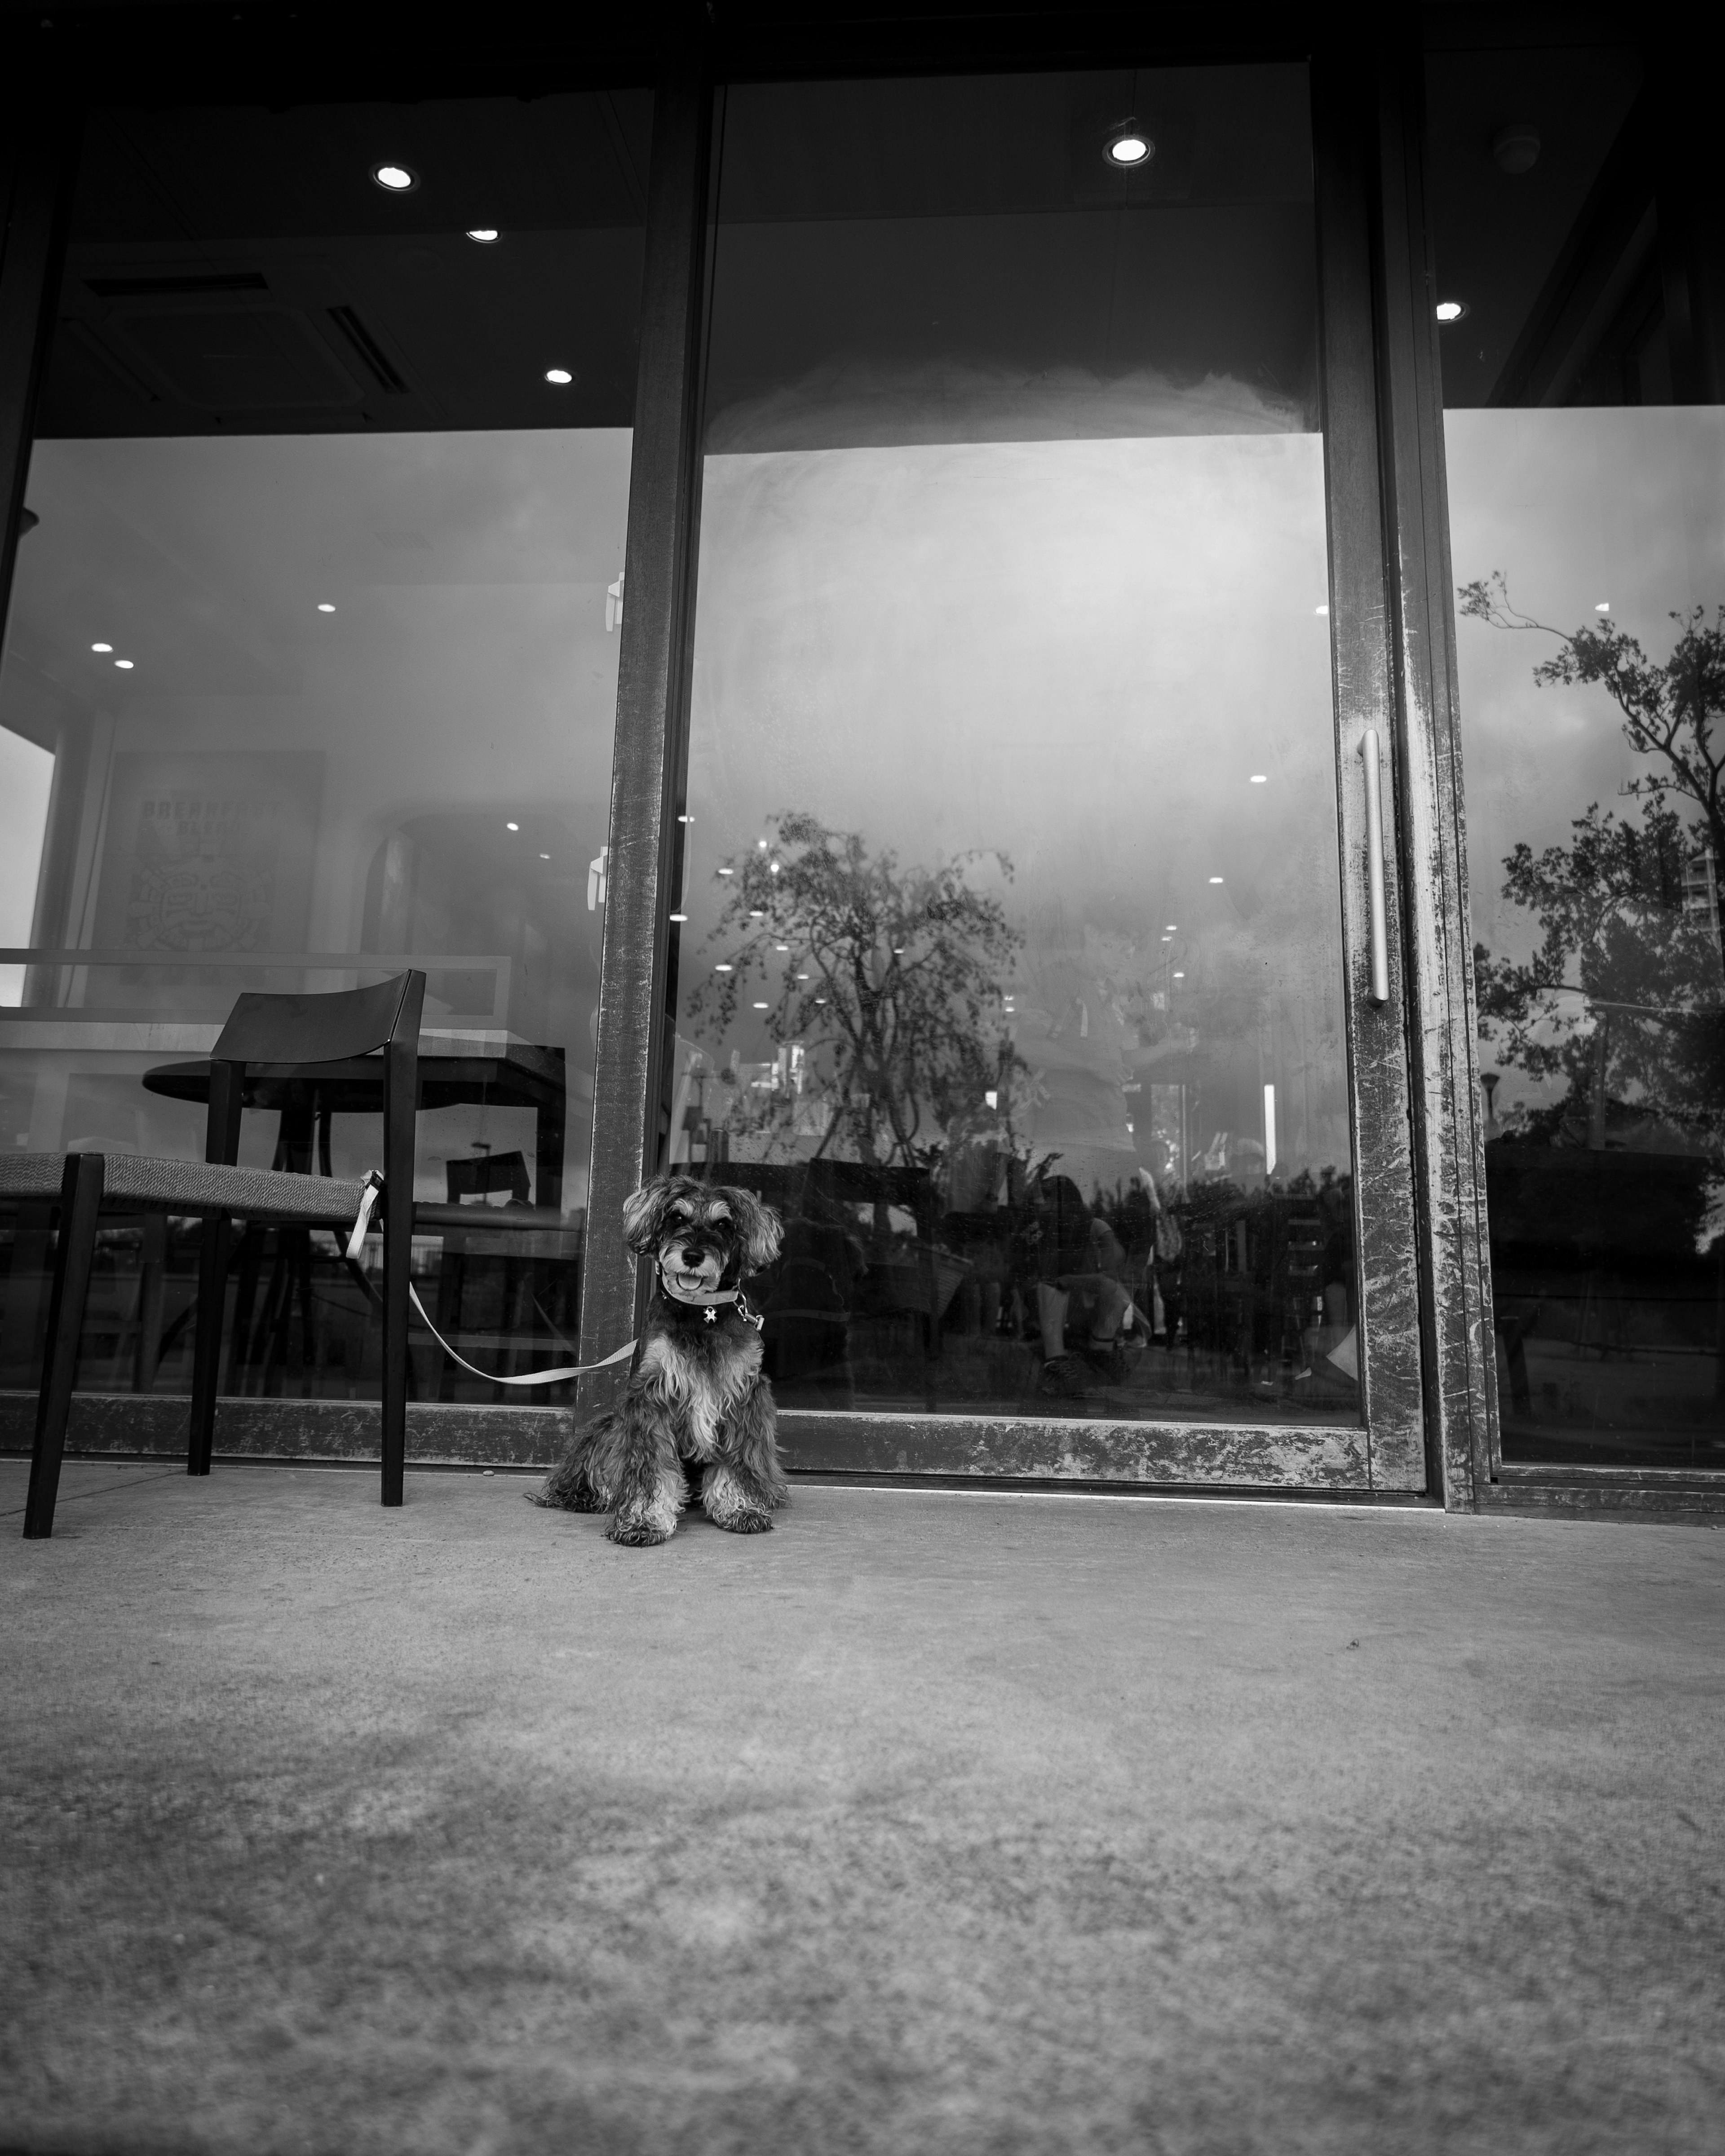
x=682, y=1211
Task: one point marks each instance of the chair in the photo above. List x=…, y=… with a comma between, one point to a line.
x=289, y=1033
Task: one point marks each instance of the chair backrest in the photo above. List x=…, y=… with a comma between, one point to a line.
x=495, y=1171
x=321, y=1028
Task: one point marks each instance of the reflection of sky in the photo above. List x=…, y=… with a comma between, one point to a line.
x=1576, y=506
x=1076, y=652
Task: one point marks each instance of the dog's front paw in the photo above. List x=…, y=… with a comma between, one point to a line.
x=746, y=1523
x=636, y=1534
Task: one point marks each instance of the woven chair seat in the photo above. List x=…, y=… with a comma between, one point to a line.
x=194, y=1186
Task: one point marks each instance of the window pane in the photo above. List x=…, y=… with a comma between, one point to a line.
x=1586, y=449
x=316, y=635
x=1009, y=947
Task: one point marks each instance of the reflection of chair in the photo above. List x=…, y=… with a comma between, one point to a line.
x=482, y=1179
x=293, y=1031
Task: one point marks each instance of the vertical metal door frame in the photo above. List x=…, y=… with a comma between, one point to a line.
x=652, y=701
x=1449, y=1130
x=38, y=177
x=1360, y=642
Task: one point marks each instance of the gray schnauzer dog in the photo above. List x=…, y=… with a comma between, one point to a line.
x=697, y=1413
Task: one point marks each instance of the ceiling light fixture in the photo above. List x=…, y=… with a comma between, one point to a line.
x=1450, y=311
x=559, y=375
x=1323, y=609
x=1261, y=778
x=484, y=235
x=511, y=827
x=1179, y=976
x=679, y=917
x=1603, y=606
x=1215, y=879
x=761, y=1006
x=395, y=179
x=324, y=606
x=101, y=646
x=1515, y=149
x=721, y=969
x=1128, y=146
x=545, y=857
x=124, y=664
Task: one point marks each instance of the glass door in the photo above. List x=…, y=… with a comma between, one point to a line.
x=1021, y=931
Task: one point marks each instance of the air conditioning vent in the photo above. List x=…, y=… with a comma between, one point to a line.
x=371, y=355
x=236, y=358
x=158, y=288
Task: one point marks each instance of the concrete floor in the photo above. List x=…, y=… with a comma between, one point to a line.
x=979, y=1824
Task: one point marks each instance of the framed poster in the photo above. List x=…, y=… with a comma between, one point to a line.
x=209, y=853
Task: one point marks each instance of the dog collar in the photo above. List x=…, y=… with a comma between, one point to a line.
x=712, y=1301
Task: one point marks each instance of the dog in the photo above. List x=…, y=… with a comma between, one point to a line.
x=697, y=1413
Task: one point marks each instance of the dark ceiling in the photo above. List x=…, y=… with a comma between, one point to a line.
x=237, y=267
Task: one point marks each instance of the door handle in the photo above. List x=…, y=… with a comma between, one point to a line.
x=1369, y=748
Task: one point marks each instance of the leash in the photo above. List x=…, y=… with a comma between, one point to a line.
x=356, y=1244
x=710, y=1301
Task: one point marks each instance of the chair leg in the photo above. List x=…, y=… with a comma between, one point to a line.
x=207, y=1344
x=81, y=1205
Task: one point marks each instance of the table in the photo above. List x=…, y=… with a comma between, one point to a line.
x=518, y=1075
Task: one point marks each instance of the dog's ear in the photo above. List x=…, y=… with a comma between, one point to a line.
x=757, y=1228
x=643, y=1215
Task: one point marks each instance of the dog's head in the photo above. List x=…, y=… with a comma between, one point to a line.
x=704, y=1236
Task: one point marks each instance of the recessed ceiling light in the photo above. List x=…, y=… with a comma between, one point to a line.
x=1215, y=879
x=1602, y=606
x=1451, y=310
x=685, y=819
x=324, y=606
x=484, y=235
x=761, y=1006
x=1261, y=778
x=802, y=977
x=101, y=646
x=124, y=664
x=727, y=872
x=679, y=917
x=1130, y=146
x=1322, y=609
x=560, y=375
x=1179, y=976
x=1172, y=927
x=721, y=969
x=395, y=179
x=545, y=857
x=781, y=947
x=511, y=827
x=761, y=844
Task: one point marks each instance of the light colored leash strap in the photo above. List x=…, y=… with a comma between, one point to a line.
x=355, y=1245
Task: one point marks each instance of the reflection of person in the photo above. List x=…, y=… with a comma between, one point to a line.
x=1096, y=1299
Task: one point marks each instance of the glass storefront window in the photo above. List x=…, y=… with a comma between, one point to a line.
x=311, y=676
x=1585, y=443
x=1008, y=936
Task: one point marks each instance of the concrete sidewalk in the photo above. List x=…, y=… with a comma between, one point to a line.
x=978, y=1823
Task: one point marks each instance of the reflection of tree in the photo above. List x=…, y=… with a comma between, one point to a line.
x=1624, y=992
x=889, y=979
